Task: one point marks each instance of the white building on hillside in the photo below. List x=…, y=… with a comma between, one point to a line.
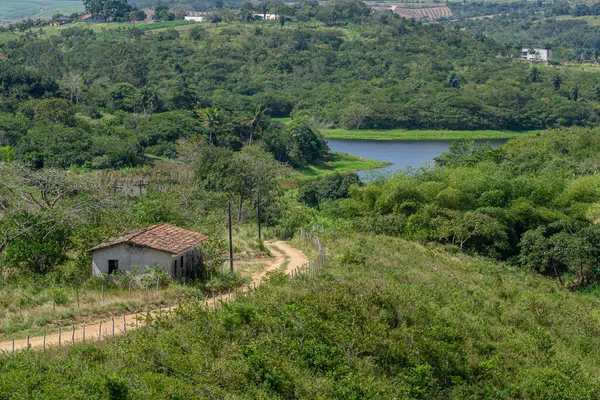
x=176, y=250
x=197, y=19
x=536, y=54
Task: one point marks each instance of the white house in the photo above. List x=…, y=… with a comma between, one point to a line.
x=536, y=54
x=197, y=19
x=175, y=249
x=268, y=17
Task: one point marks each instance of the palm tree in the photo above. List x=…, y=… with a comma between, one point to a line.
x=453, y=81
x=257, y=120
x=211, y=118
x=557, y=81
x=574, y=94
x=263, y=8
x=148, y=98
x=534, y=74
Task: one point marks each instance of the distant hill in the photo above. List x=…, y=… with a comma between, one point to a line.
x=15, y=10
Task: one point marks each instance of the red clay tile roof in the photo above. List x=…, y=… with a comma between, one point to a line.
x=163, y=237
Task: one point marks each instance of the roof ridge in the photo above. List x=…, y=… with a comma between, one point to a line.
x=138, y=233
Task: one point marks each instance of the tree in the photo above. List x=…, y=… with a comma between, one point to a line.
x=197, y=32
x=453, y=81
x=263, y=8
x=534, y=74
x=306, y=143
x=354, y=115
x=123, y=96
x=211, y=118
x=55, y=110
x=148, y=97
x=109, y=8
x=245, y=12
x=557, y=81
x=163, y=13
x=72, y=85
x=257, y=120
x=331, y=187
x=574, y=93
x=40, y=209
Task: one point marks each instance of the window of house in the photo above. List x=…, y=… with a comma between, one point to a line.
x=174, y=268
x=113, y=266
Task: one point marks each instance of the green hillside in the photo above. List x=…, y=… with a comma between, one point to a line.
x=387, y=319
x=13, y=10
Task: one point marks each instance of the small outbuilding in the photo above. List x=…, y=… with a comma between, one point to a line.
x=176, y=250
x=61, y=21
x=92, y=18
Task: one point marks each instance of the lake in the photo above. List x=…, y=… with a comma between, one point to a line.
x=401, y=153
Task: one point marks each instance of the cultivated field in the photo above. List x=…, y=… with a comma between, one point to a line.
x=429, y=11
x=14, y=10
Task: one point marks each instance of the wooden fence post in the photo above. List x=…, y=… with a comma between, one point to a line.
x=72, y=334
x=214, y=301
x=124, y=324
x=100, y=331
x=27, y=341
x=136, y=321
x=103, y=293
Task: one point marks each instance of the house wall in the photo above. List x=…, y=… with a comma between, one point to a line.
x=540, y=54
x=129, y=255
x=191, y=260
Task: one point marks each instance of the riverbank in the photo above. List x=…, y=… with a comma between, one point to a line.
x=341, y=163
x=403, y=134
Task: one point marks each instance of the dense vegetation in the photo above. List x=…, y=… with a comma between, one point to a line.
x=532, y=201
x=365, y=70
x=550, y=25
x=81, y=109
x=388, y=319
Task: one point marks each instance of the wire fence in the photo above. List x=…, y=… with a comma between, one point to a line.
x=116, y=325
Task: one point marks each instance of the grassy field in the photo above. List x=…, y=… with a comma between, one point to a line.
x=338, y=162
x=13, y=10
x=403, y=134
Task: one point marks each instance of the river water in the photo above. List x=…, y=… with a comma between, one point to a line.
x=402, y=154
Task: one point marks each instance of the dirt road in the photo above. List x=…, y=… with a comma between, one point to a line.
x=282, y=252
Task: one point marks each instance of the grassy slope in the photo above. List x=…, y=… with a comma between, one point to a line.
x=12, y=10
x=403, y=134
x=388, y=319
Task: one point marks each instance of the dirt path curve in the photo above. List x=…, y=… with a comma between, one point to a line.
x=282, y=252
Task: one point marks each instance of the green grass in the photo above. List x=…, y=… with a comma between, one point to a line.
x=338, y=162
x=388, y=319
x=285, y=120
x=403, y=134
x=13, y=10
